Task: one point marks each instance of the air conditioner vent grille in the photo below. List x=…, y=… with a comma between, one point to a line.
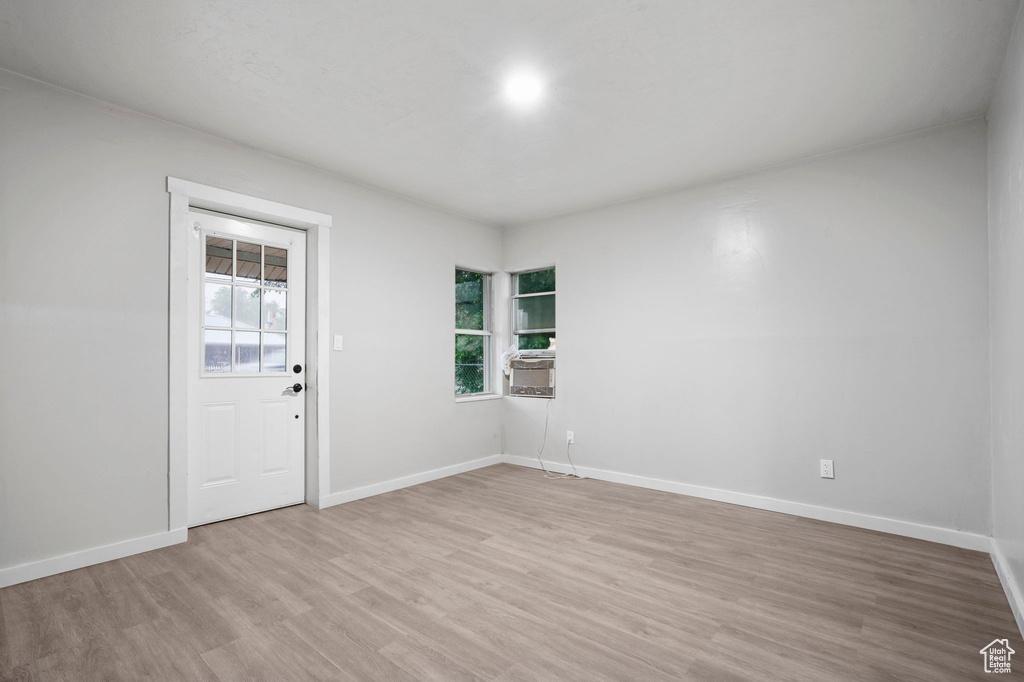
x=533, y=378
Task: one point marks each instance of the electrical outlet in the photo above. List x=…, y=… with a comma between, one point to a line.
x=570, y=437
x=826, y=469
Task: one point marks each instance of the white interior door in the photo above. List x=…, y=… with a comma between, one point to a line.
x=246, y=367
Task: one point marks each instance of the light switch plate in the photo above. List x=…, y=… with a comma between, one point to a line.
x=337, y=342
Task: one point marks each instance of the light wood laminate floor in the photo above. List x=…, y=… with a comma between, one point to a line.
x=502, y=574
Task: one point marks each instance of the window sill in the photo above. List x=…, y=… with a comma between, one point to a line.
x=477, y=398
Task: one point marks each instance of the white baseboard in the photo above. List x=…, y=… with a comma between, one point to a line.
x=88, y=557
x=1011, y=587
x=67, y=562
x=946, y=536
x=97, y=555
x=404, y=482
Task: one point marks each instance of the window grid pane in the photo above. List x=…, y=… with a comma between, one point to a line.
x=275, y=309
x=533, y=311
x=234, y=313
x=247, y=307
x=470, y=369
x=219, y=258
x=218, y=304
x=248, y=262
x=216, y=351
x=247, y=352
x=472, y=332
x=545, y=341
x=469, y=300
x=274, y=352
x=275, y=267
x=539, y=281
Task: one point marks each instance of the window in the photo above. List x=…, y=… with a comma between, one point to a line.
x=533, y=311
x=472, y=332
x=245, y=307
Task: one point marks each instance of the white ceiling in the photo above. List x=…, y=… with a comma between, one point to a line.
x=644, y=95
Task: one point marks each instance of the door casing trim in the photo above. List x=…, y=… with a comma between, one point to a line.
x=186, y=195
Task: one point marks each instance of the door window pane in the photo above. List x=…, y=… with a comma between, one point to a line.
x=247, y=258
x=536, y=312
x=275, y=305
x=469, y=364
x=535, y=282
x=218, y=305
x=275, y=266
x=469, y=300
x=245, y=293
x=247, y=351
x=217, y=351
x=274, y=352
x=247, y=307
x=218, y=258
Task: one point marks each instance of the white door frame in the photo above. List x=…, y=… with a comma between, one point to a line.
x=187, y=195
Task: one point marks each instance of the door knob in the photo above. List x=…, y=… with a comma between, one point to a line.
x=297, y=388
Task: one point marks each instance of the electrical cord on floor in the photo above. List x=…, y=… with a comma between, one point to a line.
x=574, y=476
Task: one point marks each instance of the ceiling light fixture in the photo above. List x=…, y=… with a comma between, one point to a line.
x=523, y=89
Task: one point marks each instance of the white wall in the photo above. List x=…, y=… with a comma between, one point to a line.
x=732, y=334
x=83, y=318
x=1006, y=260
x=835, y=308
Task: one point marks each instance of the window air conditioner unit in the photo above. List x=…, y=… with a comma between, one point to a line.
x=532, y=377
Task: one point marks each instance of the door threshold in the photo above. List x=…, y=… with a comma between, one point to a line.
x=251, y=513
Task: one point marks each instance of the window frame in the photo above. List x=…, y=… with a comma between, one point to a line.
x=487, y=333
x=514, y=295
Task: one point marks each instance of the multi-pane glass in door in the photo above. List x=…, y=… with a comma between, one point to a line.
x=245, y=318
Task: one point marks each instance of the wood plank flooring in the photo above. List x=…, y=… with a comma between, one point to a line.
x=502, y=574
